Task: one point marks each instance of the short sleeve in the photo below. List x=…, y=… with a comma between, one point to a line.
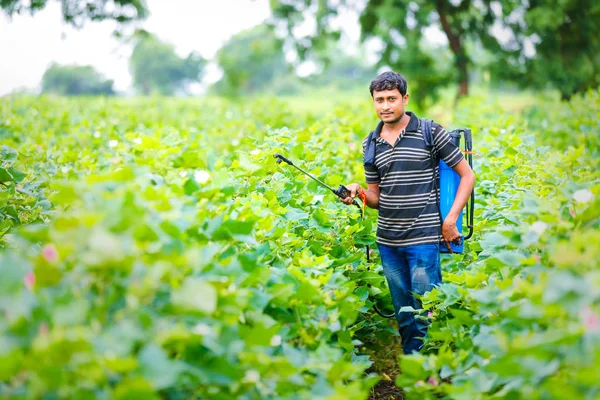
x=445, y=147
x=371, y=172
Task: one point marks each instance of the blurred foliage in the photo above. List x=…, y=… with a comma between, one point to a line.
x=162, y=253
x=73, y=80
x=253, y=63
x=157, y=69
x=564, y=35
x=77, y=12
x=251, y=60
x=566, y=38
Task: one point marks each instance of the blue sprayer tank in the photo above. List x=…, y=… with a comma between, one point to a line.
x=448, y=185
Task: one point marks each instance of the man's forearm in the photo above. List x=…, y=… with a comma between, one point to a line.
x=462, y=196
x=372, y=199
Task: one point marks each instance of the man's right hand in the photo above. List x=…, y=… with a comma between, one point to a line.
x=354, y=189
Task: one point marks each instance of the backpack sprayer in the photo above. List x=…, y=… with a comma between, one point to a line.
x=448, y=183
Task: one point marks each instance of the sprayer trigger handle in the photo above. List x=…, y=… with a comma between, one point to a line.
x=342, y=192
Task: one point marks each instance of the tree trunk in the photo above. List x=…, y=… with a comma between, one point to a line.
x=460, y=57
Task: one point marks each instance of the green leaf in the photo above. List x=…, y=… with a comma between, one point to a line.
x=196, y=295
x=232, y=228
x=8, y=154
x=5, y=176
x=157, y=368
x=369, y=277
x=135, y=389
x=412, y=365
x=17, y=175
x=4, y=196
x=191, y=186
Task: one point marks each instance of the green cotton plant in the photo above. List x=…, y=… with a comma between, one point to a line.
x=161, y=273
x=518, y=313
x=22, y=199
x=172, y=257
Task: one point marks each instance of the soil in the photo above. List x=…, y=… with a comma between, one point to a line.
x=386, y=390
x=385, y=354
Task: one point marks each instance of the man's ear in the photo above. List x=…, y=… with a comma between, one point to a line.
x=405, y=99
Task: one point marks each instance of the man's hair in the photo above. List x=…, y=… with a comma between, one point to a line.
x=389, y=81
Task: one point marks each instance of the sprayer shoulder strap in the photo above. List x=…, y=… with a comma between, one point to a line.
x=426, y=129
x=371, y=145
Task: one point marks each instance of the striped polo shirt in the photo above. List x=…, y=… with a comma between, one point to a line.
x=408, y=213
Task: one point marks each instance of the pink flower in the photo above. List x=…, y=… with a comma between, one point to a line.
x=370, y=252
x=352, y=145
x=572, y=212
x=433, y=381
x=43, y=330
x=537, y=258
x=29, y=280
x=50, y=253
x=429, y=314
x=591, y=320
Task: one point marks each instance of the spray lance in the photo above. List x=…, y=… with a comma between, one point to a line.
x=342, y=192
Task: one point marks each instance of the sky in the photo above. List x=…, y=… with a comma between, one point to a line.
x=29, y=44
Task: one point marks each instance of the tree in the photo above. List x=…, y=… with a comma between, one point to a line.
x=565, y=35
x=156, y=68
x=77, y=12
x=568, y=28
x=250, y=61
x=74, y=80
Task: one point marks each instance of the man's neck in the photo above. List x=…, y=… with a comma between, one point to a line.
x=397, y=127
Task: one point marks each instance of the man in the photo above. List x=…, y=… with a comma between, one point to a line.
x=401, y=185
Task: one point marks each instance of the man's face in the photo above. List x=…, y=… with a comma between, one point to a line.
x=389, y=105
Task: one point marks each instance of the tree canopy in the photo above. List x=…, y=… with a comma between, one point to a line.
x=156, y=67
x=250, y=61
x=77, y=12
x=75, y=80
x=567, y=47
x=560, y=33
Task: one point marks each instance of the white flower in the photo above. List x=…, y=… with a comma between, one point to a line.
x=64, y=170
x=96, y=134
x=183, y=174
x=201, y=176
x=276, y=340
x=113, y=143
x=539, y=227
x=137, y=140
x=583, y=196
x=251, y=376
x=255, y=152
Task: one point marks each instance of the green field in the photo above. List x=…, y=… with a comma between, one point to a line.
x=152, y=248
